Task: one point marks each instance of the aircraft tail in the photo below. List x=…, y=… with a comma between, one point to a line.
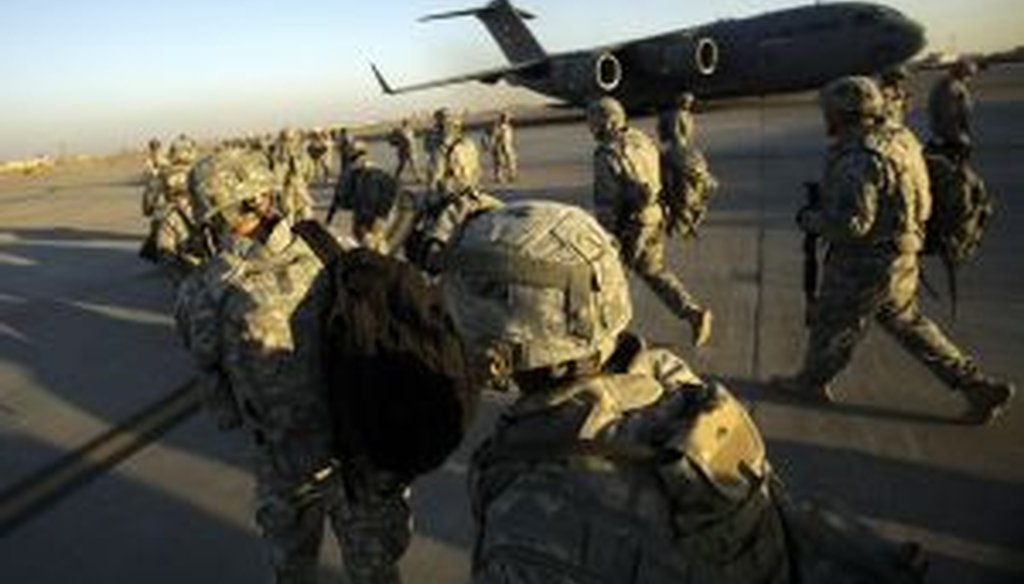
x=506, y=24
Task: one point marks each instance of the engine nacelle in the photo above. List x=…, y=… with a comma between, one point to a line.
x=689, y=57
x=587, y=75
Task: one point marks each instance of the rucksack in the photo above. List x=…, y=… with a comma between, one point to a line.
x=398, y=389
x=961, y=207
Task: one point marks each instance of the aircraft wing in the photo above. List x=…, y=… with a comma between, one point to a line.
x=489, y=76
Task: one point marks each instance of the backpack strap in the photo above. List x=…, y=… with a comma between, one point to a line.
x=319, y=240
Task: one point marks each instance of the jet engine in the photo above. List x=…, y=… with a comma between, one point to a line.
x=688, y=57
x=587, y=75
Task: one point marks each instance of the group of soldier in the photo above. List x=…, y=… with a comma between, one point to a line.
x=616, y=462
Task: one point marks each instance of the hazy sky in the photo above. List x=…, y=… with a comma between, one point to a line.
x=102, y=75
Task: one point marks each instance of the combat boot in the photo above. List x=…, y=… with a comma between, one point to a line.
x=797, y=386
x=700, y=322
x=986, y=399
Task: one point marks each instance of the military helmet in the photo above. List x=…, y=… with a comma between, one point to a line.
x=853, y=97
x=894, y=76
x=536, y=284
x=685, y=100
x=606, y=115
x=225, y=183
x=182, y=150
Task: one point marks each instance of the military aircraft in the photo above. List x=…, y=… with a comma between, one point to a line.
x=776, y=52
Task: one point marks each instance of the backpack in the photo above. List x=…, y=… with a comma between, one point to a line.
x=961, y=207
x=398, y=390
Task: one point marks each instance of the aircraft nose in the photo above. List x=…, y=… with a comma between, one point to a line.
x=914, y=35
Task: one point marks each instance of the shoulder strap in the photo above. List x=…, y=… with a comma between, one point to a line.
x=319, y=240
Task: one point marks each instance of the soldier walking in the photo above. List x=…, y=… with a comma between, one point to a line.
x=403, y=139
x=688, y=182
x=503, y=149
x=875, y=202
x=627, y=187
x=949, y=111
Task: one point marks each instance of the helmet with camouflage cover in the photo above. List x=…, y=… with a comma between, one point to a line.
x=228, y=184
x=605, y=116
x=182, y=150
x=536, y=284
x=893, y=76
x=853, y=98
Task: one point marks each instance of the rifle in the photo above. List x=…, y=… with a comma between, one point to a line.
x=812, y=197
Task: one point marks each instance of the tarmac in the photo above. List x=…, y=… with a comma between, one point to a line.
x=87, y=340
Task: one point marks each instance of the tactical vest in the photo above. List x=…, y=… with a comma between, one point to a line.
x=558, y=497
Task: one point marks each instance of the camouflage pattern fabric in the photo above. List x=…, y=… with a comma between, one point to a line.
x=875, y=201
x=689, y=185
x=252, y=318
x=180, y=243
x=627, y=183
x=503, y=152
x=548, y=514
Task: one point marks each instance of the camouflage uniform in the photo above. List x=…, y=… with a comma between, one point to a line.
x=627, y=186
x=688, y=182
x=181, y=245
x=404, y=141
x=875, y=202
x=294, y=169
x=439, y=141
x=253, y=319
x=503, y=150
x=456, y=198
x=318, y=148
x=570, y=487
x=949, y=110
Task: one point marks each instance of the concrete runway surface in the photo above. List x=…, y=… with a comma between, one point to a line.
x=86, y=340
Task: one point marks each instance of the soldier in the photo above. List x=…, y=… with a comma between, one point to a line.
x=318, y=148
x=896, y=94
x=949, y=111
x=370, y=193
x=294, y=169
x=343, y=146
x=439, y=140
x=503, y=149
x=875, y=201
x=616, y=464
x=688, y=182
x=253, y=319
x=403, y=139
x=627, y=186
x=169, y=184
x=156, y=158
x=181, y=243
x=457, y=198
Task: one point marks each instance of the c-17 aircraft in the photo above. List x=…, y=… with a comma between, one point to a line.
x=791, y=50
